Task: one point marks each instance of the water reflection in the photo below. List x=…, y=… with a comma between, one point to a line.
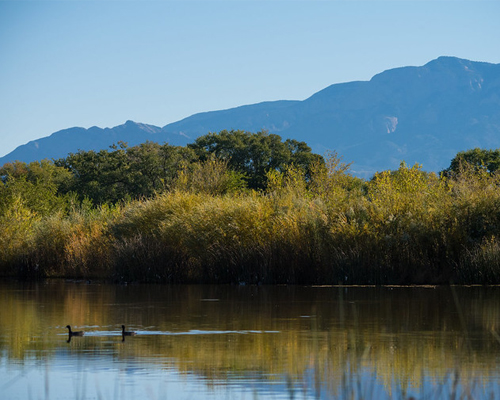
x=319, y=342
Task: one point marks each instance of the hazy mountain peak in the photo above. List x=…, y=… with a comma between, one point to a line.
x=448, y=62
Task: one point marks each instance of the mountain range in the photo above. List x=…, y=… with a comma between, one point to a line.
x=419, y=115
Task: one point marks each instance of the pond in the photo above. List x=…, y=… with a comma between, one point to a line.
x=248, y=342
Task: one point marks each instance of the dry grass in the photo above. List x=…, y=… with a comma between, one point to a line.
x=402, y=227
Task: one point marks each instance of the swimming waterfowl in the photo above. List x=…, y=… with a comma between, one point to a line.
x=125, y=333
x=75, y=333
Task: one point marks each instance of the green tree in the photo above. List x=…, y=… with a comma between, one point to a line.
x=125, y=172
x=101, y=176
x=477, y=159
x=254, y=154
x=36, y=185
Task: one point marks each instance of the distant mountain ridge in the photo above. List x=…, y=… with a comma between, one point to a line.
x=66, y=141
x=417, y=114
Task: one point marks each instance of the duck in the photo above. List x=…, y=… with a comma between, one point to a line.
x=74, y=333
x=125, y=333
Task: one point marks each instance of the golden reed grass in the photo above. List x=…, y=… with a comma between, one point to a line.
x=404, y=227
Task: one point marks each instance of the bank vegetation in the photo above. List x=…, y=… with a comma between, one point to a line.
x=213, y=212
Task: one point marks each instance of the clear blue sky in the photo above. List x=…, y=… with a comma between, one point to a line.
x=85, y=63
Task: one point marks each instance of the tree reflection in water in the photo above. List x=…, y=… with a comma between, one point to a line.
x=318, y=341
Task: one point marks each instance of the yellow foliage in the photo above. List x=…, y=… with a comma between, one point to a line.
x=16, y=233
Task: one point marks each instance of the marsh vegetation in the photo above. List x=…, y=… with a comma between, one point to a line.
x=217, y=212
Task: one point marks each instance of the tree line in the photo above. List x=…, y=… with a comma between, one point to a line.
x=125, y=173
x=237, y=206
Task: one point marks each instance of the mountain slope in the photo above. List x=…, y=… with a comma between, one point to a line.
x=417, y=114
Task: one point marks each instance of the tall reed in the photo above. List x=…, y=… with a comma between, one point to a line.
x=323, y=226
x=16, y=227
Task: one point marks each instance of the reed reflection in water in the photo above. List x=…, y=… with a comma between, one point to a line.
x=248, y=341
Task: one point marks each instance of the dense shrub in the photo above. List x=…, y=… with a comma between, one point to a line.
x=310, y=225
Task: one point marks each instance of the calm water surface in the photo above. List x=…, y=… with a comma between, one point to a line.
x=248, y=342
